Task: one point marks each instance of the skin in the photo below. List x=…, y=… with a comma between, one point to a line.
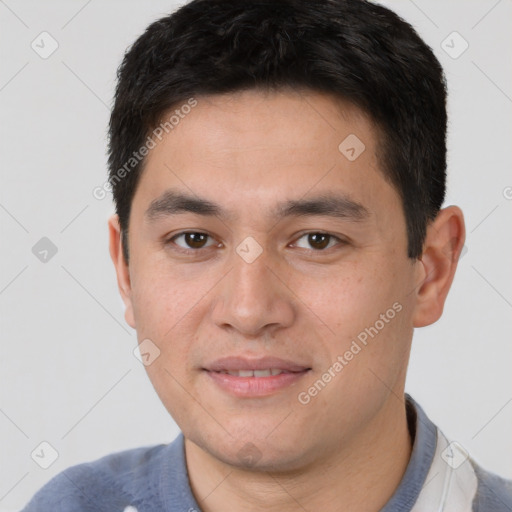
x=247, y=151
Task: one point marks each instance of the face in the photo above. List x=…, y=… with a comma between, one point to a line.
x=289, y=255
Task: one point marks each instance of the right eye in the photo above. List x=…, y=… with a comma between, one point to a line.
x=192, y=240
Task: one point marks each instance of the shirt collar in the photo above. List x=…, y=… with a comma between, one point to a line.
x=424, y=433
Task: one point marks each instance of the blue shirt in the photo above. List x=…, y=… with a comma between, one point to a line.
x=440, y=477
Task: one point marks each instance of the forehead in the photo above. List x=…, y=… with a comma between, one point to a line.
x=262, y=120
x=256, y=147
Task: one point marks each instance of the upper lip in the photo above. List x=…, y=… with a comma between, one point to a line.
x=233, y=363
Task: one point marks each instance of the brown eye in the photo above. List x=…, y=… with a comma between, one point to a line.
x=191, y=240
x=319, y=241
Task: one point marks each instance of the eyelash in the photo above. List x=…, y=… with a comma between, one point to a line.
x=340, y=241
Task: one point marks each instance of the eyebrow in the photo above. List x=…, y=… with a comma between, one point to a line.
x=174, y=202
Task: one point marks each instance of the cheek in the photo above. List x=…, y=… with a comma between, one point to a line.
x=168, y=309
x=367, y=315
x=347, y=299
x=160, y=300
x=171, y=384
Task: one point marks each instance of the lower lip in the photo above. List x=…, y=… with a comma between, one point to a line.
x=254, y=386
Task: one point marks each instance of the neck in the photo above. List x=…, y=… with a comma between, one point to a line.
x=360, y=476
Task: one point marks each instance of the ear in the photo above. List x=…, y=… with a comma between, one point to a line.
x=122, y=271
x=441, y=251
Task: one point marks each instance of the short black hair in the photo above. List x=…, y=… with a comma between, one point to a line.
x=355, y=50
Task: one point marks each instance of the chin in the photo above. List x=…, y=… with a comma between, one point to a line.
x=251, y=453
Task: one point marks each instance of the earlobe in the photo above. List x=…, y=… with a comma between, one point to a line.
x=443, y=245
x=121, y=267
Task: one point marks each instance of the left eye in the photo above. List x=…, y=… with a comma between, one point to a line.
x=319, y=241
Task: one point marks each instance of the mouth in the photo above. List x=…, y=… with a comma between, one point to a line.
x=243, y=377
x=255, y=373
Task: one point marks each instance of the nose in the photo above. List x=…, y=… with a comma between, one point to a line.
x=254, y=296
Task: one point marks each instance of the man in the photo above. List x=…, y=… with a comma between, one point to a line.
x=278, y=170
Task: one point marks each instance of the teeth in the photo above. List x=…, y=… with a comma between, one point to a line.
x=255, y=373
x=262, y=373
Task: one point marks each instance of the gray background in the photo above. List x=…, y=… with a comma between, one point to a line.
x=68, y=373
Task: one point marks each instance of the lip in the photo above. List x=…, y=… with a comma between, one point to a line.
x=248, y=387
x=232, y=363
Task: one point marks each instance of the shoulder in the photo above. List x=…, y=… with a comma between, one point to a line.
x=108, y=484
x=494, y=493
